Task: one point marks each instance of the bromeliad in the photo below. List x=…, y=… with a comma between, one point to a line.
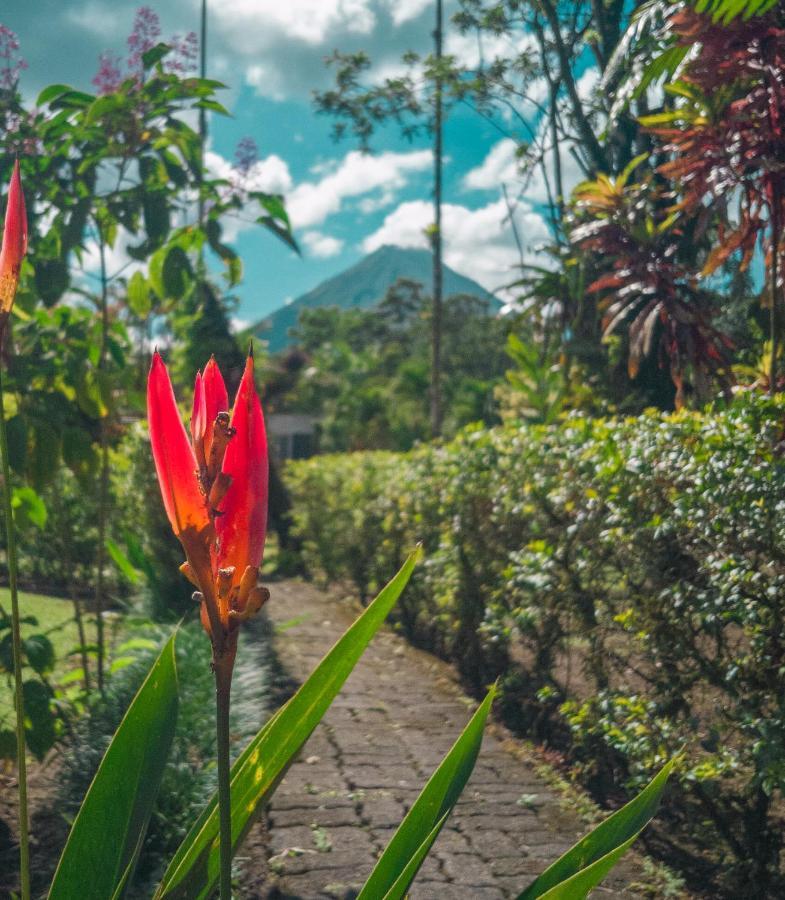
x=214, y=489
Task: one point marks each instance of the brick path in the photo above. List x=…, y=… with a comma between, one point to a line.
x=396, y=717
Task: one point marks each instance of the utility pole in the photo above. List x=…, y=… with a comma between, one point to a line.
x=436, y=232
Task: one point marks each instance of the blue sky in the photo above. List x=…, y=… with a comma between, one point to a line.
x=343, y=204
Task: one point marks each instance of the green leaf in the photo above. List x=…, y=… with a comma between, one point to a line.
x=176, y=273
x=44, y=458
x=139, y=295
x=156, y=272
x=40, y=724
x=109, y=828
x=587, y=879
x=213, y=105
x=193, y=873
x=122, y=562
x=50, y=92
x=155, y=211
x=429, y=811
x=17, y=443
x=155, y=54
x=398, y=890
x=29, y=508
x=39, y=652
x=616, y=832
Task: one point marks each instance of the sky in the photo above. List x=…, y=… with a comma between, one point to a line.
x=342, y=203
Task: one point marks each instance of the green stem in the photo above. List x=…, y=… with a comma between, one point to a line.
x=223, y=685
x=24, y=836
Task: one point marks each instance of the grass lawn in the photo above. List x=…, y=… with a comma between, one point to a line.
x=55, y=617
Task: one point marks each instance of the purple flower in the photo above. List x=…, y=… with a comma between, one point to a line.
x=246, y=154
x=185, y=51
x=108, y=78
x=145, y=35
x=11, y=64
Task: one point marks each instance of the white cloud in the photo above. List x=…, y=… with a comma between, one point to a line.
x=96, y=19
x=270, y=174
x=311, y=202
x=479, y=243
x=499, y=166
x=374, y=203
x=404, y=10
x=322, y=245
x=116, y=257
x=251, y=24
x=472, y=50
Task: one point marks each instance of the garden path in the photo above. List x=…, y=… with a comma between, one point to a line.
x=396, y=717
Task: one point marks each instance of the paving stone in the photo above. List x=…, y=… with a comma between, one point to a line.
x=395, y=719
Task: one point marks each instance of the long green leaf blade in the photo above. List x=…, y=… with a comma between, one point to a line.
x=109, y=828
x=578, y=887
x=193, y=873
x=616, y=831
x=432, y=807
x=407, y=876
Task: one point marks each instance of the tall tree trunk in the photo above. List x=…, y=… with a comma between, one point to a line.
x=436, y=236
x=774, y=312
x=103, y=486
x=202, y=111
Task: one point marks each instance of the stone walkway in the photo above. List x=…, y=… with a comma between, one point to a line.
x=389, y=728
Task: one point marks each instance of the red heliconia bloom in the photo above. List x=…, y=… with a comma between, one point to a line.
x=14, y=246
x=214, y=488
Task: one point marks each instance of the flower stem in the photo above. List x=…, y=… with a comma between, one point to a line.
x=223, y=686
x=24, y=837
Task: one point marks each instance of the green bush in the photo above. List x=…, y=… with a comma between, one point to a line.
x=625, y=577
x=190, y=775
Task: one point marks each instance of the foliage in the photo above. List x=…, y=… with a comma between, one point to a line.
x=259, y=768
x=38, y=659
x=645, y=280
x=536, y=391
x=189, y=777
x=365, y=373
x=107, y=833
x=719, y=133
x=400, y=861
x=624, y=579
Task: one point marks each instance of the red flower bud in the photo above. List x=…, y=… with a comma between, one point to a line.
x=215, y=491
x=14, y=245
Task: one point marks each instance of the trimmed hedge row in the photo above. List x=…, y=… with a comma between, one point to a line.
x=626, y=580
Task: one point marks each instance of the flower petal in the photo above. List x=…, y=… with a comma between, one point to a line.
x=199, y=414
x=174, y=458
x=242, y=525
x=14, y=243
x=215, y=395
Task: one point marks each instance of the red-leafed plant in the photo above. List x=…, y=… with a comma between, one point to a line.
x=644, y=281
x=726, y=139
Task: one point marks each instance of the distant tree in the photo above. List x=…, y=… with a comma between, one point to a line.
x=365, y=373
x=205, y=331
x=415, y=101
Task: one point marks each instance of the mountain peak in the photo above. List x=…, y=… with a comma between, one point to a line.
x=364, y=285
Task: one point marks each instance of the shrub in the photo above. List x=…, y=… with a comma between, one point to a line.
x=190, y=775
x=626, y=579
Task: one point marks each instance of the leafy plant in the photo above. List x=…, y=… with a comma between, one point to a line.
x=621, y=576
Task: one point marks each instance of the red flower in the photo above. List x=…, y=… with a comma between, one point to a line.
x=214, y=489
x=14, y=245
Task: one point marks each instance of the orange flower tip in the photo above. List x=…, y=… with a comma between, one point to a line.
x=250, y=349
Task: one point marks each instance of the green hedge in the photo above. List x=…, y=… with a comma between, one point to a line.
x=624, y=577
